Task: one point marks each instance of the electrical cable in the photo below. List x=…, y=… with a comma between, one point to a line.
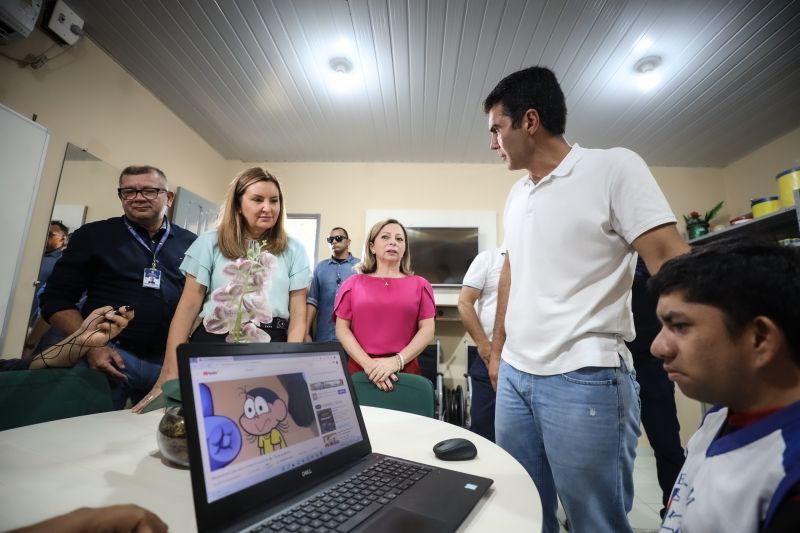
x=39, y=59
x=55, y=352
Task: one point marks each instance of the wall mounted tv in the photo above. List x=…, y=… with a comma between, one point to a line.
x=442, y=255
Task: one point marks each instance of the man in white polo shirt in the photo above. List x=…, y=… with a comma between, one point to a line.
x=567, y=401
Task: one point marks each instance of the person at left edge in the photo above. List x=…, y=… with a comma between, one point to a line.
x=99, y=327
x=54, y=248
x=129, y=260
x=254, y=210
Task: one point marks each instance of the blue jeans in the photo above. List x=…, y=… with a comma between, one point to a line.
x=576, y=435
x=142, y=375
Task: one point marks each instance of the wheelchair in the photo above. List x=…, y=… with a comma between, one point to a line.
x=451, y=404
x=429, y=361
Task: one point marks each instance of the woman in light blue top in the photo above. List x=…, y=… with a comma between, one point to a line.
x=253, y=211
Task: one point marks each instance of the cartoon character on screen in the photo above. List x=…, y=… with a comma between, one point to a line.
x=264, y=418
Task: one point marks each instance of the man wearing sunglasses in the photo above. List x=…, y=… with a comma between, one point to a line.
x=328, y=277
x=130, y=260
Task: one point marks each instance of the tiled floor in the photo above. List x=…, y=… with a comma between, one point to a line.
x=644, y=516
x=646, y=492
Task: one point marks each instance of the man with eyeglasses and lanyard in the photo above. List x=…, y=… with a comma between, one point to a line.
x=130, y=260
x=328, y=277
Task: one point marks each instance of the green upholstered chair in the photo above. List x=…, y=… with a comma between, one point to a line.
x=34, y=396
x=412, y=394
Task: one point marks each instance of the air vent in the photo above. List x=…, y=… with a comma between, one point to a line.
x=17, y=19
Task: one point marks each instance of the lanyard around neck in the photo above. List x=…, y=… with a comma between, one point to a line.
x=144, y=244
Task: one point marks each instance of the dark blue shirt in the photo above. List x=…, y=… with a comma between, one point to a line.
x=105, y=260
x=328, y=277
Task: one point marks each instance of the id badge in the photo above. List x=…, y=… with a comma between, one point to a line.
x=152, y=278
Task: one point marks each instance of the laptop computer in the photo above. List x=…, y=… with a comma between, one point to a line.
x=277, y=443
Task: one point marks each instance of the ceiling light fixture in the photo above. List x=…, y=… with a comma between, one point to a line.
x=340, y=77
x=341, y=65
x=648, y=77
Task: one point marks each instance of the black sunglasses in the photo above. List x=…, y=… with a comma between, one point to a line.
x=337, y=238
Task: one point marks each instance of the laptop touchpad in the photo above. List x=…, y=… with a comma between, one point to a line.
x=397, y=519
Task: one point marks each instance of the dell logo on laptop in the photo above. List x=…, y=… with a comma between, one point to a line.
x=306, y=472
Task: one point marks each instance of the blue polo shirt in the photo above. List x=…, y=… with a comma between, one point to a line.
x=329, y=275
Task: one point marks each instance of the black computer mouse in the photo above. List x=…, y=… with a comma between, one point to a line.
x=455, y=450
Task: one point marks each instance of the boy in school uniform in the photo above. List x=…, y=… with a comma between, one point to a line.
x=730, y=337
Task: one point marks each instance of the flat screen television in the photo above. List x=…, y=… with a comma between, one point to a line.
x=442, y=255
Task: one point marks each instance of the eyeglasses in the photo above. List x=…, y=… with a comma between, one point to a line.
x=338, y=279
x=148, y=193
x=337, y=238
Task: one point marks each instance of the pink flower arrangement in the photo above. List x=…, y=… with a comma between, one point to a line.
x=243, y=304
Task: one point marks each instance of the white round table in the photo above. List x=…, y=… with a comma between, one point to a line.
x=110, y=458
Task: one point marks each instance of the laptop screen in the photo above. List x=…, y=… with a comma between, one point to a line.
x=260, y=416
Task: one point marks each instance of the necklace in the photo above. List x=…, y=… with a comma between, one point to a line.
x=385, y=279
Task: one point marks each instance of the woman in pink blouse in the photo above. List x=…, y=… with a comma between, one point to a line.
x=384, y=315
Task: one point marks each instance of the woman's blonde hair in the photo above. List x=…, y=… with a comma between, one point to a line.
x=369, y=264
x=231, y=237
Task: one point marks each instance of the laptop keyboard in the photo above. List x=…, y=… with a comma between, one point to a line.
x=344, y=506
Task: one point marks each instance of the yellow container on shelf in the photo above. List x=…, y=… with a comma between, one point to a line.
x=788, y=181
x=764, y=206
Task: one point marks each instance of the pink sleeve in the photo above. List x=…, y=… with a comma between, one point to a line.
x=342, y=307
x=427, y=305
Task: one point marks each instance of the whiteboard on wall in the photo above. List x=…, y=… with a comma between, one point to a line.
x=22, y=152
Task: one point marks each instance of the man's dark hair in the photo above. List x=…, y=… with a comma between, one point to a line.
x=61, y=226
x=743, y=279
x=144, y=169
x=531, y=88
x=346, y=235
x=344, y=230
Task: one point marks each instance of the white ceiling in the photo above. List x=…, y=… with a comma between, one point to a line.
x=252, y=76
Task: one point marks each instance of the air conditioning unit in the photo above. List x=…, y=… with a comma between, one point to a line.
x=18, y=18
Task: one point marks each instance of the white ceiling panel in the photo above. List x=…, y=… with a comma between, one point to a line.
x=253, y=77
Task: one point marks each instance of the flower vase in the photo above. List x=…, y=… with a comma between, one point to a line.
x=698, y=229
x=172, y=436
